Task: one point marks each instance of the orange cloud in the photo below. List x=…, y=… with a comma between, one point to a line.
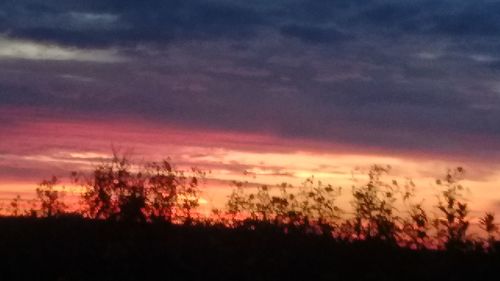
x=38, y=145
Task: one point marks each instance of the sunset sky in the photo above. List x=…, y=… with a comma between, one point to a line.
x=264, y=91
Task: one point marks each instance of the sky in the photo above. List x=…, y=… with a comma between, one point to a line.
x=265, y=90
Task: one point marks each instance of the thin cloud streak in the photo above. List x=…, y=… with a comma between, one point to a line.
x=42, y=140
x=32, y=50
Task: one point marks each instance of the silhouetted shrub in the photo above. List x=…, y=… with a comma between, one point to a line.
x=310, y=208
x=452, y=226
x=416, y=228
x=49, y=202
x=383, y=211
x=487, y=223
x=15, y=208
x=120, y=191
x=375, y=214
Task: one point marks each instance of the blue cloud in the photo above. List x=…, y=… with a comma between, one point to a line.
x=387, y=73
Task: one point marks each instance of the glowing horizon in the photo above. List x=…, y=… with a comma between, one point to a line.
x=58, y=146
x=262, y=91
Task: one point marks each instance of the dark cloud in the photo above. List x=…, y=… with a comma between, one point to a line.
x=476, y=19
x=126, y=22
x=312, y=34
x=123, y=23
x=414, y=75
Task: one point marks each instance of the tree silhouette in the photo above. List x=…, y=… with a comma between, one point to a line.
x=310, y=209
x=162, y=192
x=374, y=207
x=49, y=200
x=453, y=224
x=15, y=207
x=188, y=193
x=318, y=204
x=156, y=192
x=113, y=191
x=119, y=190
x=487, y=223
x=416, y=228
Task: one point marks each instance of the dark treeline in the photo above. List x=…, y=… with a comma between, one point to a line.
x=134, y=221
x=382, y=209
x=68, y=248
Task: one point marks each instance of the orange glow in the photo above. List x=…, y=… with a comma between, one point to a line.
x=40, y=147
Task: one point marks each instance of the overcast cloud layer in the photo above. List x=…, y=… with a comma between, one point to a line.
x=415, y=76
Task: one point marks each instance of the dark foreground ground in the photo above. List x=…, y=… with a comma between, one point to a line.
x=75, y=249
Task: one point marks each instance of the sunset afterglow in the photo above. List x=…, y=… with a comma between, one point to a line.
x=249, y=140
x=250, y=92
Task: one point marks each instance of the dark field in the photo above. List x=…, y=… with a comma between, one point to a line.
x=77, y=249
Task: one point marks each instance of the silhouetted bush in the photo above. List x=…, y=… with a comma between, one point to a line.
x=453, y=225
x=375, y=215
x=49, y=201
x=487, y=223
x=154, y=192
x=384, y=211
x=309, y=208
